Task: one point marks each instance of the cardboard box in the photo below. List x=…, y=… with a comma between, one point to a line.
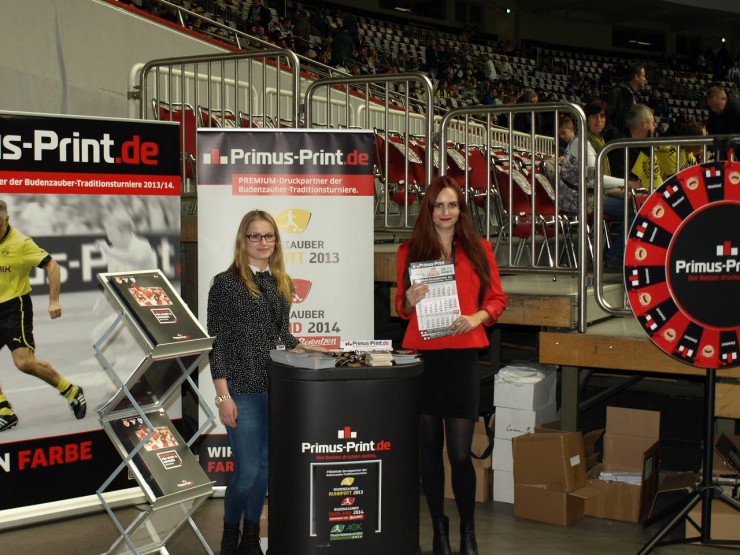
x=630, y=445
x=725, y=522
x=515, y=422
x=550, y=477
x=552, y=460
x=503, y=456
x=483, y=483
x=725, y=447
x=503, y=486
x=526, y=396
x=590, y=439
x=552, y=507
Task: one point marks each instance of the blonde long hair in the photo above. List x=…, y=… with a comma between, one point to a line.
x=240, y=265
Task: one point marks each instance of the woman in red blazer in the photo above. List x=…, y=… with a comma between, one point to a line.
x=450, y=383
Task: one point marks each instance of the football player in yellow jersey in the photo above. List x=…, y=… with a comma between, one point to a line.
x=19, y=255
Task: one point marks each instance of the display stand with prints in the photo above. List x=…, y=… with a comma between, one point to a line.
x=135, y=419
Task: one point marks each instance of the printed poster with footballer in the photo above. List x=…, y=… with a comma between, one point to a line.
x=99, y=195
x=319, y=187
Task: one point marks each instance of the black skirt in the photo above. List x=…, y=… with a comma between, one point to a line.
x=450, y=384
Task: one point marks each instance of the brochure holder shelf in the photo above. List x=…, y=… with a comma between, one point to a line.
x=135, y=417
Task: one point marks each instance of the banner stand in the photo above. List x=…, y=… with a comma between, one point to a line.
x=135, y=419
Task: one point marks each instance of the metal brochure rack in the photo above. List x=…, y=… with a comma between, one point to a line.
x=135, y=419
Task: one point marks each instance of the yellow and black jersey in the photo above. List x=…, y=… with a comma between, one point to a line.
x=18, y=256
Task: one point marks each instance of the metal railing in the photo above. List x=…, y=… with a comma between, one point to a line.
x=251, y=89
x=382, y=117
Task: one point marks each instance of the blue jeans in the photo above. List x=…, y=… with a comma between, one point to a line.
x=614, y=210
x=247, y=487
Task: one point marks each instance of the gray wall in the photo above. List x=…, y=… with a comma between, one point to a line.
x=74, y=56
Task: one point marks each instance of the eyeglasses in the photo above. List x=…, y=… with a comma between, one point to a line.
x=257, y=237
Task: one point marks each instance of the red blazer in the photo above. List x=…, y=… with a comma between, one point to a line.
x=468, y=285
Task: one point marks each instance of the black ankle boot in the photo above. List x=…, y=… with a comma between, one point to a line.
x=230, y=539
x=251, y=539
x=468, y=544
x=441, y=541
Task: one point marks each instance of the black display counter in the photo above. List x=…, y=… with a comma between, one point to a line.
x=344, y=460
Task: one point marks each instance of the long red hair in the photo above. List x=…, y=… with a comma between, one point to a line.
x=425, y=243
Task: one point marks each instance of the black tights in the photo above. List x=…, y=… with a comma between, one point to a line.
x=459, y=438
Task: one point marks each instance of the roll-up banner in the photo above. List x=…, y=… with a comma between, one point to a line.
x=99, y=195
x=319, y=187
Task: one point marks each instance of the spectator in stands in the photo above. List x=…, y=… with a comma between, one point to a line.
x=259, y=14
x=349, y=20
x=262, y=33
x=431, y=60
x=443, y=89
x=302, y=31
x=724, y=112
x=641, y=124
x=503, y=118
x=385, y=59
x=669, y=158
x=489, y=69
x=321, y=24
x=724, y=116
x=622, y=97
x=523, y=121
x=596, y=119
x=342, y=48
x=283, y=34
x=506, y=72
x=566, y=133
x=363, y=60
x=658, y=103
x=723, y=62
x=605, y=79
x=733, y=74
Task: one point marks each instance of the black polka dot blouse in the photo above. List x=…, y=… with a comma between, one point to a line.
x=245, y=329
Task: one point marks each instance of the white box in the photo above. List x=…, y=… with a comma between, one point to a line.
x=526, y=396
x=515, y=422
x=503, y=486
x=503, y=456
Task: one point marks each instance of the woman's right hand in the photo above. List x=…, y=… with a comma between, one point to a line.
x=415, y=294
x=228, y=413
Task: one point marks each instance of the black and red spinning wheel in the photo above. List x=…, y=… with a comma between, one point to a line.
x=682, y=265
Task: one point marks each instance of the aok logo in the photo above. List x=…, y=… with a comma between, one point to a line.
x=46, y=145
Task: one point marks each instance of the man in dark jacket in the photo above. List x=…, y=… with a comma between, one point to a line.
x=622, y=97
x=724, y=112
x=724, y=117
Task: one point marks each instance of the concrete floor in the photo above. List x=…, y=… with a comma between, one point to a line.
x=497, y=530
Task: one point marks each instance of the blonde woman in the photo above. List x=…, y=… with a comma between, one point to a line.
x=248, y=311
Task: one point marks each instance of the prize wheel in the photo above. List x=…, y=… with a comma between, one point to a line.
x=682, y=265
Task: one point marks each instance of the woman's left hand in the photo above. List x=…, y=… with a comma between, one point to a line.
x=464, y=324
